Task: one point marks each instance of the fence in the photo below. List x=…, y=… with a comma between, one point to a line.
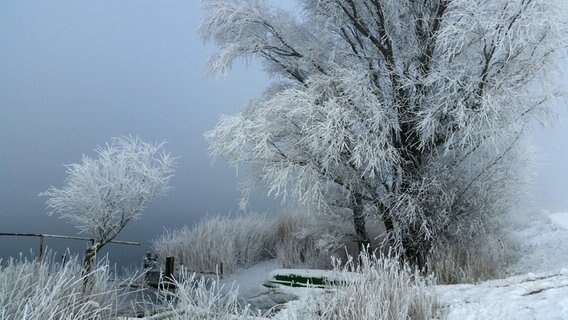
x=155, y=278
x=41, y=237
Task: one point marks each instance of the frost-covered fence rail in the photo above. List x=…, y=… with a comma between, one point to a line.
x=156, y=279
x=219, y=270
x=41, y=237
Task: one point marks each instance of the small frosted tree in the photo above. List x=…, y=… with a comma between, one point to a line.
x=102, y=195
x=405, y=110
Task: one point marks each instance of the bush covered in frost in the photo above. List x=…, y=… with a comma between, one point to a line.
x=45, y=290
x=233, y=241
x=370, y=288
x=241, y=241
x=198, y=298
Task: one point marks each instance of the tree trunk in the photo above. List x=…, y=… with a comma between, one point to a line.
x=90, y=253
x=359, y=223
x=416, y=249
x=88, y=260
x=389, y=228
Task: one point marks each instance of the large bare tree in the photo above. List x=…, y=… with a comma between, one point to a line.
x=412, y=111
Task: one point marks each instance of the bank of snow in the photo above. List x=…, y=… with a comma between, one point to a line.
x=560, y=219
x=536, y=289
x=531, y=296
x=543, y=243
x=539, y=287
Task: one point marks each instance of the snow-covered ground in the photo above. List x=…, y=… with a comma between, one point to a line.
x=543, y=243
x=537, y=288
x=250, y=280
x=531, y=296
x=560, y=218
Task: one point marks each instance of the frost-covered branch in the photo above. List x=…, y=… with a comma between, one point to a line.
x=101, y=195
x=386, y=101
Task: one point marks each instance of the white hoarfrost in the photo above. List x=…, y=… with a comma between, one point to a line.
x=101, y=195
x=47, y=290
x=542, y=294
x=543, y=245
x=411, y=111
x=538, y=291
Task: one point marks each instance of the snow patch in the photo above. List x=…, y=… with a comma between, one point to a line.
x=543, y=245
x=531, y=296
x=560, y=219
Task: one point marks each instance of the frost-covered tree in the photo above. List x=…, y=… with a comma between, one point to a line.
x=407, y=110
x=102, y=195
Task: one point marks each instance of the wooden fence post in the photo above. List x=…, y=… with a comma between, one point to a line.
x=63, y=260
x=167, y=282
x=41, y=247
x=42, y=237
x=169, y=274
x=220, y=271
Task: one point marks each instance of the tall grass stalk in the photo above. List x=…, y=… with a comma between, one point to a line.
x=45, y=290
x=241, y=241
x=204, y=299
x=233, y=241
x=471, y=260
x=373, y=288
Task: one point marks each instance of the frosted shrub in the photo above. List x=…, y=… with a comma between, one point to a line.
x=302, y=240
x=35, y=290
x=471, y=260
x=197, y=298
x=380, y=288
x=296, y=240
x=233, y=241
x=102, y=195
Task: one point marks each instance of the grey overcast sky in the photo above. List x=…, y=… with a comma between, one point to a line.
x=73, y=74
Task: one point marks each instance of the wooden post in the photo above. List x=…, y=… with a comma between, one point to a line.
x=220, y=271
x=41, y=237
x=63, y=260
x=167, y=283
x=169, y=274
x=41, y=247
